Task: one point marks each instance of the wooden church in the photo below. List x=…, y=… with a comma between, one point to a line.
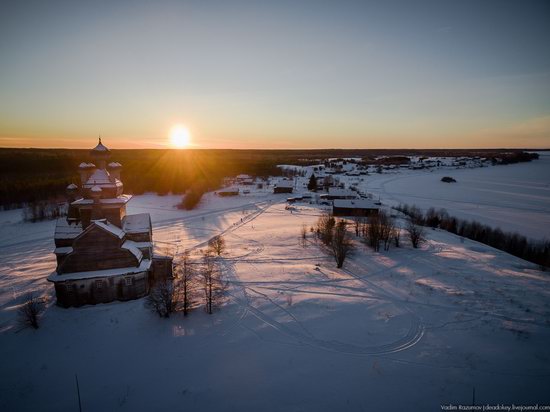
x=102, y=253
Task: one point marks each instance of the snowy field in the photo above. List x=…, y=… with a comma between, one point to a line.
x=400, y=330
x=513, y=197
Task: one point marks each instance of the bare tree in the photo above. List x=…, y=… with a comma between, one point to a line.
x=303, y=235
x=213, y=285
x=30, y=312
x=387, y=225
x=416, y=233
x=396, y=236
x=358, y=223
x=341, y=244
x=186, y=283
x=373, y=233
x=162, y=298
x=217, y=245
x=325, y=226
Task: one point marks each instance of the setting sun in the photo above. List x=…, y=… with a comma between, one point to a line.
x=180, y=136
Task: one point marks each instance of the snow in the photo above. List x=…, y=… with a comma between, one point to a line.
x=336, y=191
x=137, y=223
x=100, y=148
x=114, y=165
x=63, y=250
x=109, y=227
x=406, y=329
x=133, y=248
x=285, y=183
x=143, y=267
x=99, y=177
x=72, y=186
x=356, y=203
x=118, y=199
x=84, y=165
x=64, y=230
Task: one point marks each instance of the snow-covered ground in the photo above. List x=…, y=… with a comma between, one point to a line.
x=514, y=197
x=400, y=330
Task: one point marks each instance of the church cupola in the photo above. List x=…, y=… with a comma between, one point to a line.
x=100, y=154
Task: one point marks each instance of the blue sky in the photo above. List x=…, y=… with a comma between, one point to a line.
x=285, y=74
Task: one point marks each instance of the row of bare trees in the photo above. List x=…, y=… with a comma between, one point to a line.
x=376, y=231
x=194, y=282
x=518, y=245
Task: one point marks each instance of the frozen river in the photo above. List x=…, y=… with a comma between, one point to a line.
x=513, y=197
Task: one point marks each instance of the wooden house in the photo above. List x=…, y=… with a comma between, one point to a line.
x=283, y=186
x=355, y=207
x=102, y=253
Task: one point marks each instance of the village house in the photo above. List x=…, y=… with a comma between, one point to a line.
x=355, y=207
x=283, y=186
x=102, y=253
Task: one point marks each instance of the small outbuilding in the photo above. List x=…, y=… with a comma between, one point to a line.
x=354, y=207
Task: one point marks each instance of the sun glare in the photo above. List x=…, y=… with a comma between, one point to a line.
x=180, y=136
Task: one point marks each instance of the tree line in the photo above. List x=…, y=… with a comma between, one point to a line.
x=28, y=175
x=537, y=252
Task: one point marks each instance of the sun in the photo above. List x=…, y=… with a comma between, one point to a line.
x=180, y=136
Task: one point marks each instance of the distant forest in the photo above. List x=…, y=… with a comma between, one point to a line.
x=31, y=175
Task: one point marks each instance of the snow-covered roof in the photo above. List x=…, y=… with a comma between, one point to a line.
x=64, y=230
x=114, y=165
x=95, y=189
x=84, y=165
x=105, y=225
x=138, y=223
x=229, y=190
x=144, y=266
x=243, y=176
x=355, y=204
x=100, y=147
x=63, y=250
x=99, y=177
x=133, y=248
x=285, y=183
x=336, y=191
x=72, y=186
x=114, y=200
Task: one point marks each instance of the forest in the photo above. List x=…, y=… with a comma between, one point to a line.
x=32, y=175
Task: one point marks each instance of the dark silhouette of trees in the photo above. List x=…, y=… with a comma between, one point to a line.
x=533, y=251
x=341, y=245
x=30, y=312
x=312, y=185
x=213, y=285
x=416, y=233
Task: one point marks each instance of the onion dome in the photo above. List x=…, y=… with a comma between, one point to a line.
x=114, y=165
x=86, y=165
x=100, y=148
x=72, y=186
x=96, y=189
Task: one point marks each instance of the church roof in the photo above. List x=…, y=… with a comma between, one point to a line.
x=114, y=165
x=138, y=223
x=84, y=165
x=99, y=177
x=100, y=147
x=109, y=227
x=133, y=248
x=64, y=230
x=144, y=266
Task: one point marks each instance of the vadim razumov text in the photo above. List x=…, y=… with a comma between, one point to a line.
x=496, y=407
